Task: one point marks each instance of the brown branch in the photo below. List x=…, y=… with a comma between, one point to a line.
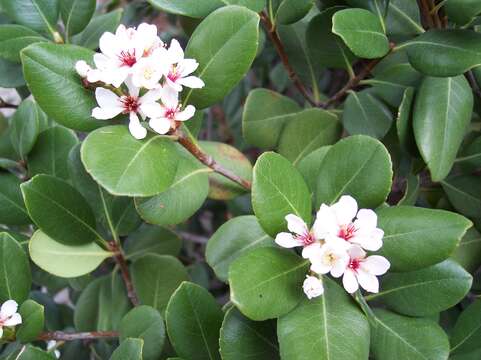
x=63, y=336
x=272, y=33
x=208, y=160
x=124, y=270
x=435, y=14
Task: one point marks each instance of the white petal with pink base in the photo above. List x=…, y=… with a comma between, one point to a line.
x=312, y=287
x=299, y=236
x=9, y=315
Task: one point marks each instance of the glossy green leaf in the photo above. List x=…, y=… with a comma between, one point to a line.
x=15, y=276
x=150, y=239
x=102, y=305
x=155, y=279
x=404, y=122
x=129, y=349
x=464, y=192
x=470, y=156
x=415, y=237
x=12, y=207
x=426, y=291
x=126, y=166
x=307, y=131
x=266, y=283
x=11, y=74
x=14, y=38
x=403, y=18
x=33, y=319
x=462, y=11
x=39, y=15
x=291, y=11
x=310, y=165
x=224, y=56
x=442, y=113
x=362, y=32
x=144, y=322
x=265, y=113
x=49, y=71
x=76, y=14
x=327, y=317
x=200, y=9
x=278, y=190
x=51, y=151
x=466, y=334
x=193, y=322
x=59, y=210
x=65, y=260
x=90, y=36
x=231, y=240
x=445, y=53
x=400, y=337
x=366, y=115
x=468, y=252
x=34, y=353
x=359, y=166
x=244, y=339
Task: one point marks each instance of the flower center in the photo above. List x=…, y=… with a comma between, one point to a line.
x=127, y=58
x=130, y=104
x=306, y=239
x=174, y=75
x=347, y=232
x=329, y=258
x=171, y=112
x=354, y=264
x=148, y=73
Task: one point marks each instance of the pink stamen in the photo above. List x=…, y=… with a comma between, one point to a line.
x=130, y=104
x=127, y=58
x=170, y=113
x=347, y=232
x=354, y=264
x=306, y=239
x=174, y=75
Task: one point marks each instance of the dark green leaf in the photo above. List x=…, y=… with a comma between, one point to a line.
x=12, y=207
x=90, y=36
x=39, y=15
x=76, y=14
x=129, y=349
x=14, y=38
x=200, y=9
x=291, y=11
x=33, y=319
x=464, y=192
x=467, y=331
x=150, y=239
x=468, y=252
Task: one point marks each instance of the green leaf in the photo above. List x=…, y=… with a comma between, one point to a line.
x=466, y=334
x=231, y=159
x=325, y=46
x=76, y=14
x=307, y=131
x=426, y=291
x=400, y=337
x=233, y=239
x=464, y=193
x=15, y=276
x=310, y=165
x=443, y=53
x=150, y=239
x=362, y=32
x=193, y=322
x=12, y=207
x=341, y=330
x=468, y=252
x=59, y=210
x=462, y=12
x=33, y=353
x=403, y=18
x=244, y=339
x=200, y=9
x=291, y=11
x=11, y=74
x=39, y=15
x=264, y=116
x=100, y=24
x=33, y=319
x=65, y=260
x=442, y=113
x=266, y=283
x=14, y=38
x=155, y=279
x=126, y=166
x=278, y=190
x=415, y=238
x=404, y=126
x=50, y=153
x=224, y=56
x=471, y=155
x=359, y=166
x=144, y=322
x=49, y=71
x=102, y=305
x=366, y=115
x=129, y=349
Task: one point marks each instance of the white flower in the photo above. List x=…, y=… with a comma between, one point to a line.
x=338, y=221
x=362, y=270
x=312, y=287
x=177, y=73
x=111, y=105
x=82, y=68
x=171, y=111
x=52, y=345
x=146, y=35
x=331, y=257
x=148, y=71
x=303, y=237
x=9, y=315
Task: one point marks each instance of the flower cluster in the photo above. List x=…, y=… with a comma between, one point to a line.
x=9, y=316
x=150, y=70
x=336, y=244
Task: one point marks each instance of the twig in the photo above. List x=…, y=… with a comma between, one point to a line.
x=198, y=239
x=124, y=270
x=63, y=336
x=209, y=161
x=272, y=33
x=435, y=14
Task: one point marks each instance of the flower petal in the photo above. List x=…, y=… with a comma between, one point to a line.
x=82, y=68
x=175, y=52
x=340, y=267
x=349, y=281
x=325, y=224
x=151, y=109
x=108, y=44
x=136, y=128
x=296, y=225
x=160, y=125
x=368, y=281
x=8, y=308
x=1, y=332
x=133, y=90
x=169, y=97
x=345, y=209
x=13, y=320
x=105, y=113
x=187, y=66
x=371, y=242
x=286, y=240
x=376, y=265
x=186, y=114
x=192, y=82
x=106, y=98
x=355, y=252
x=366, y=218
x=310, y=251
x=312, y=287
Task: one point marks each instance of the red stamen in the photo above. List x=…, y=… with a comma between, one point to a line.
x=306, y=239
x=127, y=58
x=174, y=75
x=347, y=232
x=354, y=264
x=130, y=104
x=171, y=112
